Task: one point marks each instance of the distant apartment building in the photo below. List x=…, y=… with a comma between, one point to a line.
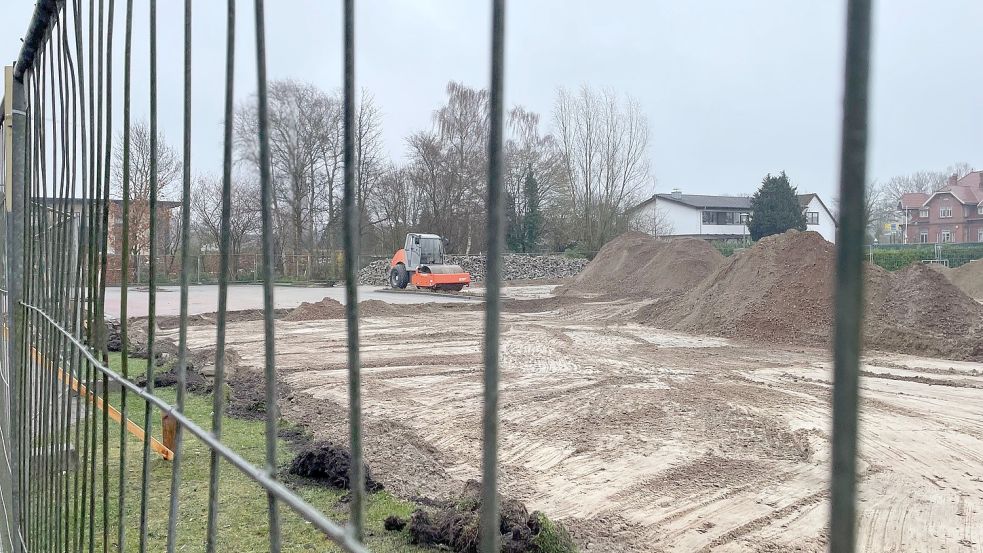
x=953, y=214
x=139, y=218
x=718, y=217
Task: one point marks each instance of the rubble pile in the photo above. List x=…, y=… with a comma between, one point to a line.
x=515, y=267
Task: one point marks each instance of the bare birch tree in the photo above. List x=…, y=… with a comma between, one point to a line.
x=604, y=143
x=169, y=167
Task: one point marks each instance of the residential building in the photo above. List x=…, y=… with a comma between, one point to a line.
x=953, y=214
x=718, y=217
x=167, y=222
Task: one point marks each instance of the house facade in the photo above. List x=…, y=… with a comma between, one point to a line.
x=953, y=214
x=139, y=219
x=718, y=217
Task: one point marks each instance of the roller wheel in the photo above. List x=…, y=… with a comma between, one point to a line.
x=452, y=287
x=398, y=277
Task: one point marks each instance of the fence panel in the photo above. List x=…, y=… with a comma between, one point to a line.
x=67, y=416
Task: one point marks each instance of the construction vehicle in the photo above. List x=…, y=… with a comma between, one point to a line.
x=423, y=264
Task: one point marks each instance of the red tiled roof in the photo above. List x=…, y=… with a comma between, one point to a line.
x=968, y=190
x=912, y=200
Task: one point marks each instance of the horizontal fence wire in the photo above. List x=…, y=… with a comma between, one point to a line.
x=67, y=416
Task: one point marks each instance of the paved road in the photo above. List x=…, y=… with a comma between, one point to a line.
x=204, y=298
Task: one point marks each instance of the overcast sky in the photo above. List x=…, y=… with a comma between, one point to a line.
x=732, y=90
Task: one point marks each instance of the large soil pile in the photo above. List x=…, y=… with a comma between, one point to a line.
x=637, y=263
x=781, y=290
x=969, y=278
x=918, y=310
x=777, y=291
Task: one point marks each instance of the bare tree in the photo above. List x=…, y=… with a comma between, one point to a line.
x=655, y=221
x=529, y=151
x=370, y=158
x=206, y=211
x=301, y=116
x=922, y=181
x=169, y=167
x=396, y=207
x=604, y=143
x=448, y=166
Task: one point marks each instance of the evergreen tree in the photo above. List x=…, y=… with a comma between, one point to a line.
x=532, y=223
x=775, y=208
x=513, y=224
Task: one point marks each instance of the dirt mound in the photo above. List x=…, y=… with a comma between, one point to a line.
x=969, y=278
x=636, y=262
x=329, y=464
x=781, y=291
x=458, y=528
x=918, y=310
x=379, y=308
x=327, y=308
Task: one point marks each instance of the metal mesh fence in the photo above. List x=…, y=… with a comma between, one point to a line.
x=79, y=440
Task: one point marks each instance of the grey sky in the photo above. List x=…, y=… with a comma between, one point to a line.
x=732, y=90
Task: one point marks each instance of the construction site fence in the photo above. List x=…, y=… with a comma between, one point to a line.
x=898, y=256
x=90, y=460
x=327, y=268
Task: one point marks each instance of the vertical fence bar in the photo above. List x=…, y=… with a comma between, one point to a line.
x=350, y=238
x=848, y=328
x=185, y=274
x=125, y=277
x=152, y=300
x=218, y=386
x=490, y=534
x=266, y=208
x=15, y=275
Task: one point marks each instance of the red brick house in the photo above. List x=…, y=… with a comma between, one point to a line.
x=953, y=214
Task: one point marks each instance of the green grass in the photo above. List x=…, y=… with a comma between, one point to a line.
x=135, y=367
x=243, y=521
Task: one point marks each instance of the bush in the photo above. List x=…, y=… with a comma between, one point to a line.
x=728, y=249
x=895, y=257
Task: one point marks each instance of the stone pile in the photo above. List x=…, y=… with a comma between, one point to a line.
x=516, y=267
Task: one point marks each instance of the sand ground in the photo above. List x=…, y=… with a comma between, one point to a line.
x=646, y=440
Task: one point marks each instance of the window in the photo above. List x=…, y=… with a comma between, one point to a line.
x=945, y=212
x=923, y=213
x=720, y=218
x=945, y=236
x=812, y=217
x=979, y=210
x=923, y=237
x=979, y=235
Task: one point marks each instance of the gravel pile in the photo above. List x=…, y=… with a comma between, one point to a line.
x=516, y=267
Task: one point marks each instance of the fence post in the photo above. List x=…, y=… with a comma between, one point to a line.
x=15, y=125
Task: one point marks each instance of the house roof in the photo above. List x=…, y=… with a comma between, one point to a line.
x=805, y=199
x=968, y=190
x=704, y=201
x=913, y=200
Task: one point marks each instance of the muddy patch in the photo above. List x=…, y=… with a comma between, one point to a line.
x=330, y=465
x=457, y=526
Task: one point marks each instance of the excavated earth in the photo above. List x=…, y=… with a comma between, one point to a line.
x=968, y=277
x=647, y=419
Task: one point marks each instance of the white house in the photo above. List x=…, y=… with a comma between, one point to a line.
x=718, y=217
